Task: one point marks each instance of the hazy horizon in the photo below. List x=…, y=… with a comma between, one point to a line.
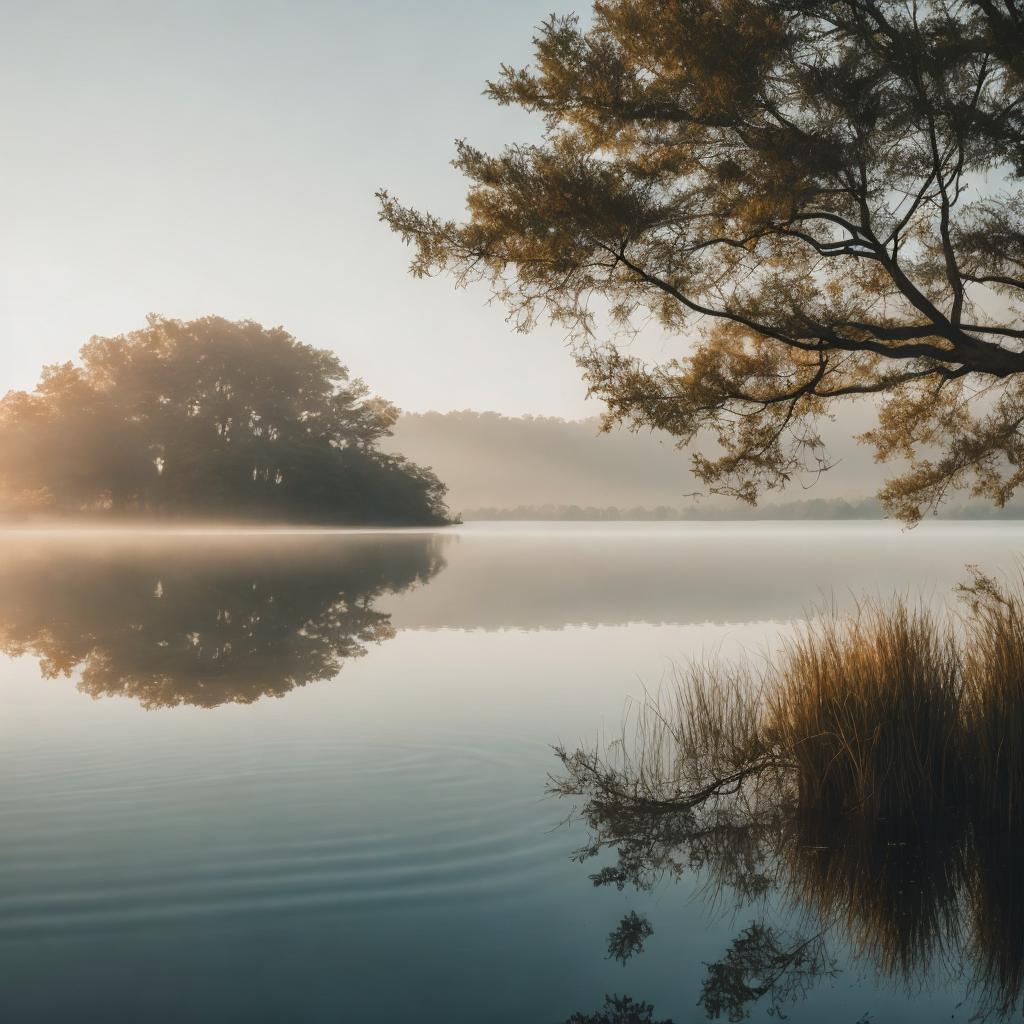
x=488, y=459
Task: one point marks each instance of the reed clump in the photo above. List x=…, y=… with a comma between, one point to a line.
x=869, y=711
x=993, y=715
x=895, y=715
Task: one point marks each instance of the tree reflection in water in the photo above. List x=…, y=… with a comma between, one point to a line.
x=619, y=1010
x=905, y=898
x=204, y=621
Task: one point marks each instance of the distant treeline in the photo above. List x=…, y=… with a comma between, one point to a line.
x=814, y=508
x=491, y=461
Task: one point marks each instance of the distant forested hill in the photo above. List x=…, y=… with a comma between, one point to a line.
x=526, y=467
x=494, y=461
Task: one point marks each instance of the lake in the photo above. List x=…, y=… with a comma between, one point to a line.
x=297, y=776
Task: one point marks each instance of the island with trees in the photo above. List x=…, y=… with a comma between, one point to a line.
x=210, y=419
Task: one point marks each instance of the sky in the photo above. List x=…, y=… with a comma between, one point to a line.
x=221, y=157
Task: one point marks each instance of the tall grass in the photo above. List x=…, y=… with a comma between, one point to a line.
x=693, y=742
x=994, y=699
x=869, y=711
x=894, y=714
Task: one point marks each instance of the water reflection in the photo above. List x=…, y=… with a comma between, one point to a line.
x=354, y=845
x=204, y=622
x=619, y=1010
x=907, y=901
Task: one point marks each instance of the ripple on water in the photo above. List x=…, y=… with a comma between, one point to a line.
x=376, y=827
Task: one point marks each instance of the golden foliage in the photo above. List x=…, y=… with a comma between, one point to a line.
x=796, y=191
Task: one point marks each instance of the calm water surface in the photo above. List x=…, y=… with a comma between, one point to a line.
x=301, y=777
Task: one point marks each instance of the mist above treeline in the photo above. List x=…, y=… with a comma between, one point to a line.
x=810, y=508
x=501, y=467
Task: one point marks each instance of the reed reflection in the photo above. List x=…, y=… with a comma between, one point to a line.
x=902, y=902
x=204, y=622
x=898, y=854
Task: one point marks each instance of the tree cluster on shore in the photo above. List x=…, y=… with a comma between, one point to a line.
x=208, y=419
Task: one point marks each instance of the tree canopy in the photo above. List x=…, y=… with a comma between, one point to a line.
x=822, y=199
x=209, y=418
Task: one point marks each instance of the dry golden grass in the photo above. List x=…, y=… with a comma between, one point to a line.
x=868, y=709
x=891, y=715
x=993, y=725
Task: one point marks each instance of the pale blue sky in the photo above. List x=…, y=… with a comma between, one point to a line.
x=220, y=156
